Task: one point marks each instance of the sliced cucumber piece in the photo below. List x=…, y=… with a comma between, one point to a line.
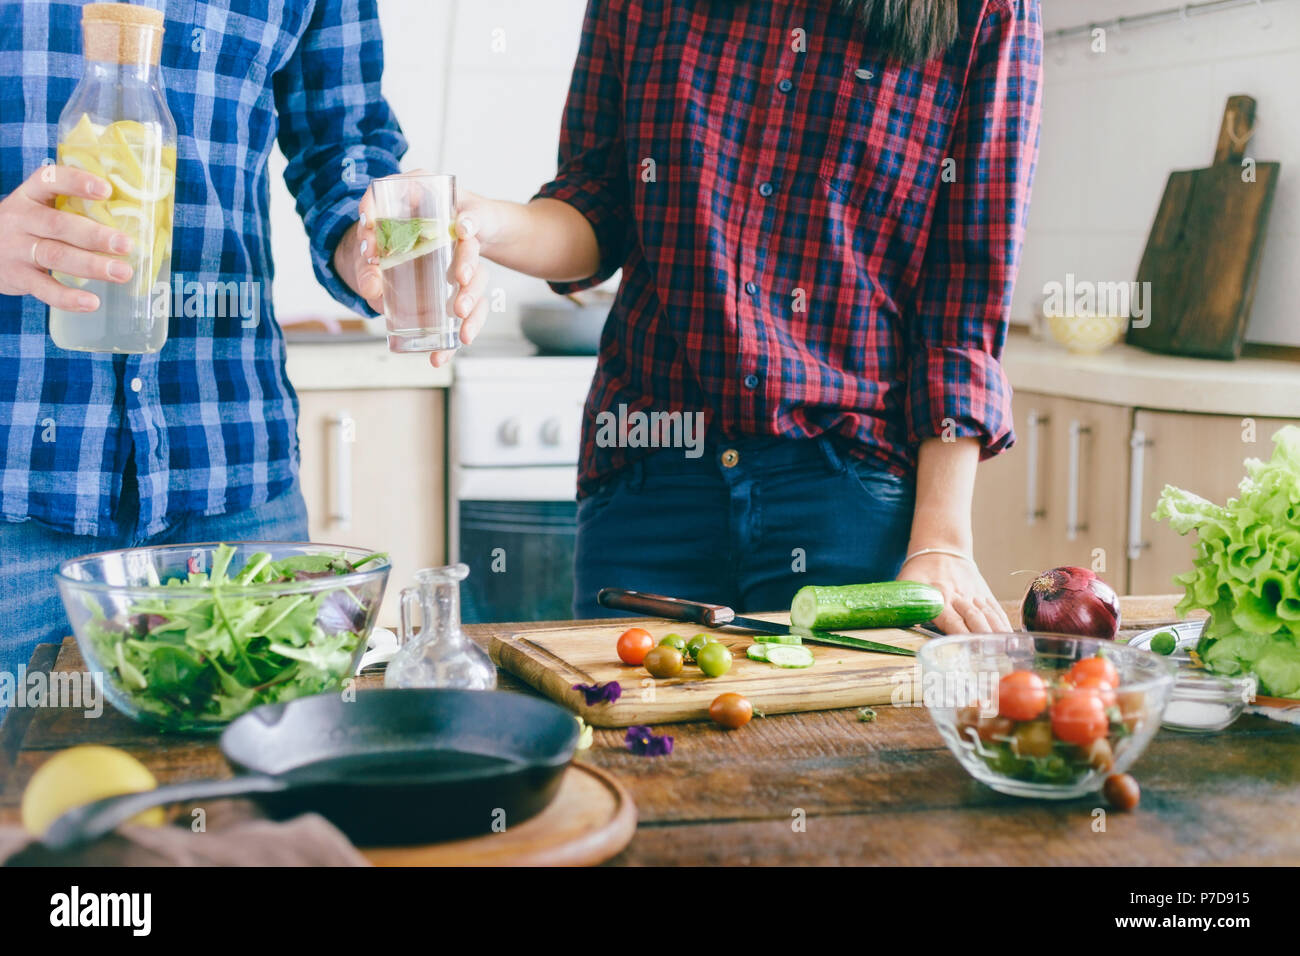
x=757, y=652
x=789, y=655
x=778, y=638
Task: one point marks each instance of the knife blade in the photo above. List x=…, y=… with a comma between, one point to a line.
x=719, y=615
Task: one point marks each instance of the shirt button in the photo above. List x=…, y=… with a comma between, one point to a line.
x=751, y=288
x=765, y=190
x=136, y=385
x=751, y=381
x=730, y=458
x=785, y=86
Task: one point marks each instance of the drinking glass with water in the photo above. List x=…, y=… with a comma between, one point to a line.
x=415, y=231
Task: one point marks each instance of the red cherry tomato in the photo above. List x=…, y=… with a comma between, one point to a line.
x=634, y=644
x=1106, y=691
x=1090, y=670
x=1079, y=717
x=1022, y=695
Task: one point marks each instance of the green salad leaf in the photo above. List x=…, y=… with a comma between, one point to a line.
x=210, y=650
x=1246, y=569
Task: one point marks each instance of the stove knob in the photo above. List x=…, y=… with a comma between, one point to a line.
x=551, y=432
x=509, y=433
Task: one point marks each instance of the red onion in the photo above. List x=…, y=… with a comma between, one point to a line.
x=1071, y=601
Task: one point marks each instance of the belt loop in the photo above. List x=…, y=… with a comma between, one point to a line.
x=636, y=475
x=834, y=460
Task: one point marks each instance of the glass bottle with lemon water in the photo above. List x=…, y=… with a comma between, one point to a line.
x=117, y=126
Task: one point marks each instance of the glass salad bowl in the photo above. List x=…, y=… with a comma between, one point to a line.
x=1038, y=715
x=188, y=637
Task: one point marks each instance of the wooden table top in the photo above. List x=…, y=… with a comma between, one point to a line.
x=826, y=788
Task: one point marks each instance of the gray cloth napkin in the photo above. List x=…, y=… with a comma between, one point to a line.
x=308, y=840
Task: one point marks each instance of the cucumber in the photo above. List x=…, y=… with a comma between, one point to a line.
x=757, y=652
x=885, y=604
x=789, y=655
x=778, y=638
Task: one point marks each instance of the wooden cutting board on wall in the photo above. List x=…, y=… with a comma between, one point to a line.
x=1203, y=256
x=553, y=660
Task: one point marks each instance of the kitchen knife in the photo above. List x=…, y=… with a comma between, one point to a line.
x=718, y=616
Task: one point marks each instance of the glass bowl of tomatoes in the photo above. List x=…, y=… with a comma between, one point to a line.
x=1043, y=715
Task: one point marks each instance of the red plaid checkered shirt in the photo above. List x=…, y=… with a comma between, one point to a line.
x=815, y=238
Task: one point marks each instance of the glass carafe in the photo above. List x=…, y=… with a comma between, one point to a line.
x=438, y=654
x=117, y=126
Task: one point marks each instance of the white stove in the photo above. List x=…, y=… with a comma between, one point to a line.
x=515, y=421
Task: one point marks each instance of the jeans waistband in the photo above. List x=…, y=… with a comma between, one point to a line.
x=748, y=455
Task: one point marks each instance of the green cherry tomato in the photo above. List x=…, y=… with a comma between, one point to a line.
x=714, y=659
x=695, y=643
x=1164, y=643
x=674, y=641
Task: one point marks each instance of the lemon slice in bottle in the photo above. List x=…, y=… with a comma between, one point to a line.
x=84, y=135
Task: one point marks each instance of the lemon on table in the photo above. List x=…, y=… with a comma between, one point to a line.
x=81, y=775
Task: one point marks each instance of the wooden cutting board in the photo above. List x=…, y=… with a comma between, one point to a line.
x=1203, y=256
x=554, y=660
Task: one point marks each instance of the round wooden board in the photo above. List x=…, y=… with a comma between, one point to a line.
x=590, y=820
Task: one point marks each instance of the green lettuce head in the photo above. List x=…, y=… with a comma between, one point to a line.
x=1246, y=569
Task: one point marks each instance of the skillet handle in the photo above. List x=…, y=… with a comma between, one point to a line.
x=88, y=823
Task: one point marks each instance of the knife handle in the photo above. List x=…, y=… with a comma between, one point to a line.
x=674, y=609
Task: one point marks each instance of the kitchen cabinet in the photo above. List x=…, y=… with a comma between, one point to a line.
x=374, y=475
x=1202, y=453
x=1056, y=497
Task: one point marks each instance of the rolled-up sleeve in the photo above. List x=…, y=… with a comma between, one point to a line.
x=956, y=385
x=336, y=129
x=592, y=174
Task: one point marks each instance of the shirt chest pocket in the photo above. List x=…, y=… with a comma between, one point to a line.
x=884, y=144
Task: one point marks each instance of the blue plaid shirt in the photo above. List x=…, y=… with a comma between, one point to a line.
x=212, y=426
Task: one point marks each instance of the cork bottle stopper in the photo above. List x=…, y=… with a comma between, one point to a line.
x=121, y=33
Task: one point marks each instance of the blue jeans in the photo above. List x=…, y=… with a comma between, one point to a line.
x=30, y=553
x=785, y=514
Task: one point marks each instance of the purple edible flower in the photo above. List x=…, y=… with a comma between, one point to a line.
x=642, y=742
x=600, y=693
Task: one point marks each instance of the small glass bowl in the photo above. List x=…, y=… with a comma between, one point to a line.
x=1201, y=702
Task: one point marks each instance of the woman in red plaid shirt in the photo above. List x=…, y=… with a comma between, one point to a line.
x=818, y=207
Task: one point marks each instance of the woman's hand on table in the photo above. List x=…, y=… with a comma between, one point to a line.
x=969, y=604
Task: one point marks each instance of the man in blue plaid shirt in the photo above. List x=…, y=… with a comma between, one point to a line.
x=197, y=442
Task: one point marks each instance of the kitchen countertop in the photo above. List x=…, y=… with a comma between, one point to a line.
x=884, y=792
x=353, y=364
x=366, y=363
x=1124, y=375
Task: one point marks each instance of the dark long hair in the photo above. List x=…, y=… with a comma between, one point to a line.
x=912, y=30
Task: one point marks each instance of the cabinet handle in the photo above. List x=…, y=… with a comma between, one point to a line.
x=1072, y=523
x=1033, y=422
x=1138, y=444
x=342, y=430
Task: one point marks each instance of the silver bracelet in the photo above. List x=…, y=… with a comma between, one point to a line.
x=952, y=554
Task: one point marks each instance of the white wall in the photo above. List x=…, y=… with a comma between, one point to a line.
x=479, y=87
x=1116, y=124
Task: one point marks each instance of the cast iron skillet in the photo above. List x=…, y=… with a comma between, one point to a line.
x=389, y=767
